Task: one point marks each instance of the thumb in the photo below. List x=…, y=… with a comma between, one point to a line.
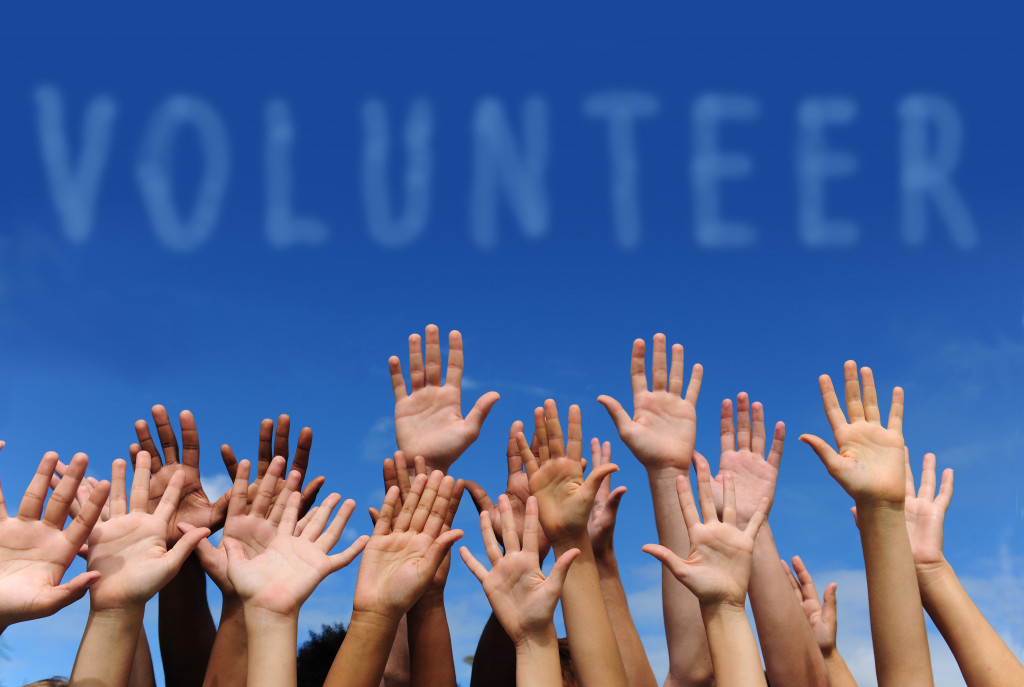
x=480, y=498
x=561, y=568
x=186, y=545
x=71, y=591
x=825, y=452
x=668, y=559
x=618, y=414
x=595, y=478
x=828, y=609
x=855, y=520
x=480, y=410
x=612, y=504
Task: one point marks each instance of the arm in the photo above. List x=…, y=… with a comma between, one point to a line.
x=823, y=621
x=791, y=656
x=522, y=598
x=662, y=434
x=982, y=655
x=35, y=548
x=602, y=530
x=494, y=663
x=129, y=551
x=564, y=501
x=717, y=571
x=428, y=421
x=870, y=466
x=398, y=564
x=141, y=674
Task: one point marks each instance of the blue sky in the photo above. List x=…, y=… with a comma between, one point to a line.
x=792, y=121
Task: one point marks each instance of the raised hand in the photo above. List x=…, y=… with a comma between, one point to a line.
x=35, y=548
x=522, y=598
x=406, y=549
x=129, y=551
x=717, y=570
x=270, y=566
x=275, y=443
x=195, y=507
x=606, y=503
x=564, y=498
x=821, y=617
x=663, y=429
x=428, y=421
x=517, y=489
x=743, y=446
x=926, y=512
x=870, y=463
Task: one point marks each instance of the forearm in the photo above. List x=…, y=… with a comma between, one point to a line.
x=688, y=654
x=186, y=627
x=272, y=640
x=142, y=674
x=537, y=662
x=791, y=654
x=396, y=670
x=230, y=655
x=631, y=649
x=733, y=650
x=591, y=638
x=898, y=632
x=494, y=663
x=108, y=648
x=982, y=655
x=361, y=659
x=839, y=674
x=430, y=643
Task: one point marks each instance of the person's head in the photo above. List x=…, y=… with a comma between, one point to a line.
x=569, y=678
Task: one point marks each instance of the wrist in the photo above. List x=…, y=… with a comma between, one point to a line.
x=723, y=610
x=118, y=614
x=579, y=541
x=666, y=474
x=606, y=561
x=536, y=639
x=432, y=600
x=932, y=572
x=257, y=617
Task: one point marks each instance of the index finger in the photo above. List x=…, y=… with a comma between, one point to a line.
x=284, y=424
x=556, y=444
x=165, y=433
x=189, y=439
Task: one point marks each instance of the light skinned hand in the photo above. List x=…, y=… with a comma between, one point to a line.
x=428, y=420
x=522, y=598
x=606, y=503
x=273, y=443
x=517, y=489
x=870, y=463
x=129, y=550
x=406, y=549
x=36, y=549
x=821, y=617
x=269, y=565
x=743, y=446
x=926, y=512
x=564, y=498
x=195, y=507
x=717, y=570
x=663, y=429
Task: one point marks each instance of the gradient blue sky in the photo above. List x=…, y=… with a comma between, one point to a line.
x=236, y=329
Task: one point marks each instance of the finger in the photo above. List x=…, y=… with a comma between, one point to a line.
x=693, y=390
x=480, y=498
x=675, y=565
x=616, y=412
x=659, y=364
x=596, y=460
x=871, y=413
x=397, y=378
x=238, y=502
x=309, y=494
x=410, y=504
x=431, y=494
x=439, y=549
x=743, y=434
x=945, y=488
x=686, y=504
x=637, y=373
x=168, y=504
x=81, y=525
x=828, y=609
x=340, y=560
x=186, y=545
x=807, y=588
x=509, y=534
x=118, y=496
x=792, y=580
x=729, y=498
x=453, y=502
x=230, y=463
x=560, y=569
x=515, y=461
x=927, y=477
x=69, y=592
x=556, y=441
x=280, y=504
x=727, y=436
x=146, y=443
x=833, y=412
x=284, y=427
x=529, y=460
x=268, y=485
x=35, y=496
x=139, y=502
x=851, y=386
x=63, y=497
x=540, y=435
x=208, y=554
x=300, y=526
x=675, y=374
x=315, y=527
x=480, y=410
x=704, y=495
x=265, y=452
x=402, y=474
x=531, y=526
x=475, y=566
x=778, y=441
x=825, y=452
x=757, y=435
x=593, y=481
x=896, y=411
x=574, y=445
x=614, y=499
x=433, y=361
x=909, y=489
x=302, y=449
x=491, y=545
x=758, y=518
x=416, y=374
x=438, y=513
x=189, y=439
x=455, y=360
x=165, y=433
x=387, y=512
